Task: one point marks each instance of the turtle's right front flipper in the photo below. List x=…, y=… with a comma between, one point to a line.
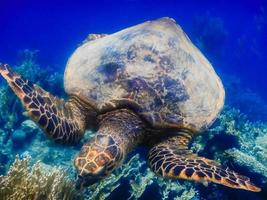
x=64, y=122
x=172, y=159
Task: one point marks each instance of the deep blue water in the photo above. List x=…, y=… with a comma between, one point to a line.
x=56, y=27
x=231, y=34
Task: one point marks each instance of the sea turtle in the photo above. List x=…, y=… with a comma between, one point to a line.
x=144, y=85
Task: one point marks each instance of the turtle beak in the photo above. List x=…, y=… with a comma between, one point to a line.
x=82, y=182
x=88, y=180
x=79, y=182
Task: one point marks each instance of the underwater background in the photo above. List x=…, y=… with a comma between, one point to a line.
x=37, y=38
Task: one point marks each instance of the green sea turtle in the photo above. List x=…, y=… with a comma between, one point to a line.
x=144, y=85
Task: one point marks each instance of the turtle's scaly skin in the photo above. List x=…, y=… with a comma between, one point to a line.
x=178, y=162
x=64, y=122
x=119, y=132
x=154, y=69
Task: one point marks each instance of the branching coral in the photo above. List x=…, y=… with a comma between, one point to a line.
x=250, y=152
x=244, y=159
x=187, y=194
x=103, y=189
x=25, y=184
x=139, y=178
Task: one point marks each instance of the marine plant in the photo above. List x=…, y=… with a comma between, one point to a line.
x=36, y=183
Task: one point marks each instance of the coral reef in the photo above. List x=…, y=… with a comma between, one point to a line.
x=251, y=137
x=250, y=162
x=39, y=182
x=139, y=179
x=12, y=114
x=235, y=140
x=9, y=108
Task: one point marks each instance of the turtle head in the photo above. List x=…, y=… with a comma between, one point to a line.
x=119, y=132
x=97, y=159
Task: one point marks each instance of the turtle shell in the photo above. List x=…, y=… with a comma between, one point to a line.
x=152, y=68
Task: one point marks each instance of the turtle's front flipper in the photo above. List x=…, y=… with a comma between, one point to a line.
x=172, y=159
x=64, y=122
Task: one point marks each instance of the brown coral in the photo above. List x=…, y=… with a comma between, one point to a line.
x=36, y=183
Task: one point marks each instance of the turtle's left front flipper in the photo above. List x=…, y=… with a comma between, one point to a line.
x=64, y=122
x=172, y=159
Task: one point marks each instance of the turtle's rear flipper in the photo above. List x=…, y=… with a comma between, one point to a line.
x=62, y=121
x=172, y=159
